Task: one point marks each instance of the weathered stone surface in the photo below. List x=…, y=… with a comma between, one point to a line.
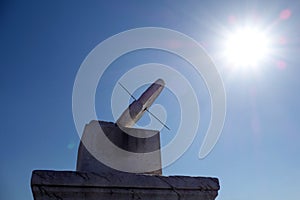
x=65, y=185
x=141, y=141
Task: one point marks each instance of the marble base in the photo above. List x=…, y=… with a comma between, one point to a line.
x=69, y=185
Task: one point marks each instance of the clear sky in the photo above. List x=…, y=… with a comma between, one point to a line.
x=43, y=44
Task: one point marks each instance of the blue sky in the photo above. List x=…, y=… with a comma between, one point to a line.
x=43, y=44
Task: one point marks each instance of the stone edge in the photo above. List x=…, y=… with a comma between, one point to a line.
x=122, y=180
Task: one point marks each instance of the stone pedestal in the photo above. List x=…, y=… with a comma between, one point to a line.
x=66, y=185
x=126, y=148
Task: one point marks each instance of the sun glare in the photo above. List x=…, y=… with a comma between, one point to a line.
x=246, y=47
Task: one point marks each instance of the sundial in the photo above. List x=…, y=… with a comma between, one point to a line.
x=112, y=146
x=109, y=150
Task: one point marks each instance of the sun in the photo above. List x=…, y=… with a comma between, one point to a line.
x=246, y=47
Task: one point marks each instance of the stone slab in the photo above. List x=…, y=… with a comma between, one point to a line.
x=67, y=185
